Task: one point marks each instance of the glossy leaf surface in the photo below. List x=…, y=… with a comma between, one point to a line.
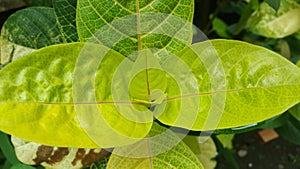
x=28, y=84
x=52, y=90
x=257, y=84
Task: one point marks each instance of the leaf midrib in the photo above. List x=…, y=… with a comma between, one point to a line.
x=142, y=103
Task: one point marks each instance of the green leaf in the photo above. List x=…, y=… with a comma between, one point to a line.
x=273, y=122
x=65, y=11
x=205, y=151
x=275, y=4
x=27, y=84
x=129, y=25
x=295, y=111
x=36, y=92
x=269, y=23
x=41, y=3
x=8, y=149
x=290, y=131
x=283, y=48
x=262, y=83
x=226, y=140
x=245, y=16
x=7, y=165
x=26, y=30
x=39, y=94
x=22, y=166
x=159, y=140
x=220, y=27
x=99, y=164
x=226, y=153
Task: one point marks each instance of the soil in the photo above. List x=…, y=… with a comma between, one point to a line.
x=252, y=153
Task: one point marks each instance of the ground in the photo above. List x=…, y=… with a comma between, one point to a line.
x=276, y=154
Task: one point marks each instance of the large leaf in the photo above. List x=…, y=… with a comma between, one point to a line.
x=269, y=23
x=121, y=91
x=37, y=78
x=37, y=101
x=238, y=84
x=65, y=11
x=26, y=30
x=159, y=140
x=128, y=26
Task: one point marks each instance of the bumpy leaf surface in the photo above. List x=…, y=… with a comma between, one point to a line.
x=37, y=101
x=52, y=95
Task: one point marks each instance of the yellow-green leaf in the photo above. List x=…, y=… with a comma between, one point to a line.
x=204, y=148
x=269, y=23
x=38, y=100
x=238, y=84
x=159, y=140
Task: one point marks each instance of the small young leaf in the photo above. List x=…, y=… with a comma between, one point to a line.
x=226, y=140
x=220, y=27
